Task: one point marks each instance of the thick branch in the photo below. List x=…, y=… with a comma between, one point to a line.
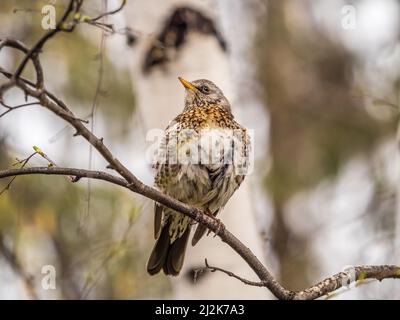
x=152, y=193
x=318, y=290
x=326, y=286
x=341, y=279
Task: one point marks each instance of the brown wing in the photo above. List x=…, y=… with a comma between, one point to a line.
x=160, y=177
x=158, y=216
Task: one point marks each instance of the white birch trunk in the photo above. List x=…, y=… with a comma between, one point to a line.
x=160, y=99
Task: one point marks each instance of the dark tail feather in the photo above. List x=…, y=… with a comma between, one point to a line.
x=166, y=256
x=158, y=215
x=159, y=253
x=200, y=231
x=176, y=254
x=198, y=234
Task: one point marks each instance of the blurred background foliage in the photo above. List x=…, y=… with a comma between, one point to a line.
x=96, y=259
x=316, y=108
x=318, y=114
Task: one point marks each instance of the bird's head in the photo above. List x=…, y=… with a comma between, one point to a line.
x=200, y=93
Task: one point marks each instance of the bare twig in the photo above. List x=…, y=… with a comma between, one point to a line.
x=32, y=85
x=344, y=279
x=51, y=162
x=26, y=84
x=23, y=163
x=94, y=108
x=199, y=271
x=109, y=13
x=106, y=27
x=327, y=286
x=9, y=108
x=35, y=50
x=12, y=43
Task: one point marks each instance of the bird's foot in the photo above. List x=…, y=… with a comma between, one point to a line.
x=220, y=226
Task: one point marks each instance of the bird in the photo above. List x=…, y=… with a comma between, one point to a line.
x=203, y=159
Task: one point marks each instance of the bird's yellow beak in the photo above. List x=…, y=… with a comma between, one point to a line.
x=187, y=84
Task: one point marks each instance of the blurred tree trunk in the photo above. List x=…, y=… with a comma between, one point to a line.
x=182, y=38
x=397, y=206
x=318, y=122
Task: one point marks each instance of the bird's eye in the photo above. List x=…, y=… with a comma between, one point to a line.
x=205, y=89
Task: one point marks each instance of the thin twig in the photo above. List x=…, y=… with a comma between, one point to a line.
x=81, y=173
x=15, y=44
x=51, y=162
x=32, y=85
x=105, y=14
x=23, y=163
x=199, y=271
x=34, y=51
x=27, y=85
x=94, y=109
x=9, y=108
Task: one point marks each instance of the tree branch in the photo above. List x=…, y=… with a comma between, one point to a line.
x=81, y=173
x=341, y=279
x=138, y=187
x=326, y=286
x=318, y=290
x=35, y=50
x=199, y=271
x=9, y=108
x=23, y=163
x=109, y=13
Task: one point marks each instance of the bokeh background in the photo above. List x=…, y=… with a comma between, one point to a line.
x=317, y=81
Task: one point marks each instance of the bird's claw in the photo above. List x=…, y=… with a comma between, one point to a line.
x=219, y=226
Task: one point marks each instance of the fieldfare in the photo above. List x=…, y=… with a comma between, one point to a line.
x=202, y=160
